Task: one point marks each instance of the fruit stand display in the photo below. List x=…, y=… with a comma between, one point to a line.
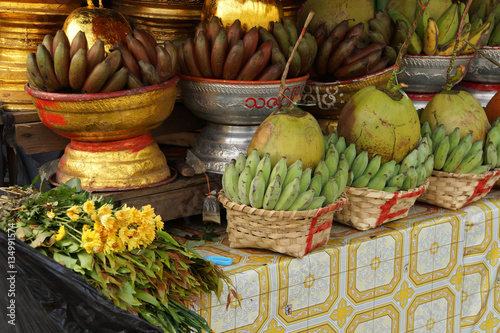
x=353, y=145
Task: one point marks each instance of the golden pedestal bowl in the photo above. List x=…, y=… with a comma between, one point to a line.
x=106, y=116
x=111, y=146
x=325, y=100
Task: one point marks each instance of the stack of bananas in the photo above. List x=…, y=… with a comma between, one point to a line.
x=61, y=66
x=481, y=16
x=255, y=182
x=344, y=54
x=452, y=154
x=436, y=36
x=253, y=55
x=411, y=173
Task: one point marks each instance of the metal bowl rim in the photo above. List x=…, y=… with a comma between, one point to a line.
x=358, y=79
x=243, y=83
x=490, y=48
x=426, y=57
x=479, y=86
x=62, y=97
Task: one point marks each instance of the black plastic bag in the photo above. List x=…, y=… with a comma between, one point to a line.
x=39, y=295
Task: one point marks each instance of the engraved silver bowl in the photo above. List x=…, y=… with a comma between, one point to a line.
x=482, y=70
x=232, y=102
x=219, y=144
x=482, y=92
x=427, y=74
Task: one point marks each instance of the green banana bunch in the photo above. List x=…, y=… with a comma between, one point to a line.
x=458, y=154
x=356, y=169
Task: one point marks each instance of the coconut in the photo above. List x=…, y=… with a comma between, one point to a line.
x=332, y=12
x=457, y=109
x=380, y=124
x=290, y=132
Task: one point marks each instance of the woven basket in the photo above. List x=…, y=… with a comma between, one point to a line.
x=294, y=233
x=367, y=209
x=455, y=190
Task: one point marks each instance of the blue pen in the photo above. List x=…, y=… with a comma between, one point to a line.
x=223, y=261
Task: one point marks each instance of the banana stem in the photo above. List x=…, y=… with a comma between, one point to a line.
x=90, y=4
x=287, y=66
x=100, y=4
x=451, y=80
x=402, y=51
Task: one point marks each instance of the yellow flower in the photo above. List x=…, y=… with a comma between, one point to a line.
x=108, y=221
x=147, y=214
x=73, y=213
x=104, y=210
x=158, y=222
x=91, y=239
x=60, y=234
x=146, y=233
x=123, y=214
x=113, y=244
x=51, y=214
x=135, y=216
x=88, y=207
x=133, y=242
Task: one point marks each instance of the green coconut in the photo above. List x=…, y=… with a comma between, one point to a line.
x=290, y=132
x=457, y=109
x=380, y=123
x=332, y=12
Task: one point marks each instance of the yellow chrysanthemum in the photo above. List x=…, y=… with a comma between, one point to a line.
x=72, y=215
x=60, y=234
x=134, y=241
x=51, y=214
x=123, y=214
x=88, y=207
x=158, y=222
x=113, y=244
x=146, y=233
x=135, y=217
x=104, y=210
x=91, y=239
x=108, y=221
x=147, y=214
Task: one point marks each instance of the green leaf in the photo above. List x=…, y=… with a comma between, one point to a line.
x=85, y=259
x=146, y=297
x=40, y=238
x=75, y=183
x=128, y=298
x=79, y=269
x=167, y=237
x=127, y=288
x=65, y=260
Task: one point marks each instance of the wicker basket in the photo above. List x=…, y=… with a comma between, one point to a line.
x=367, y=209
x=294, y=233
x=455, y=190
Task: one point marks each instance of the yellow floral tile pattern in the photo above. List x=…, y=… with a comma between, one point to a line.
x=434, y=271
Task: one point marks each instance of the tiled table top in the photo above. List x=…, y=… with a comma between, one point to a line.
x=433, y=271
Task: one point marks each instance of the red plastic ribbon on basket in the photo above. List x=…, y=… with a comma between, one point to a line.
x=481, y=188
x=313, y=230
x=386, y=208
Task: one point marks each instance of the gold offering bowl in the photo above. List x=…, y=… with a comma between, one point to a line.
x=106, y=116
x=111, y=146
